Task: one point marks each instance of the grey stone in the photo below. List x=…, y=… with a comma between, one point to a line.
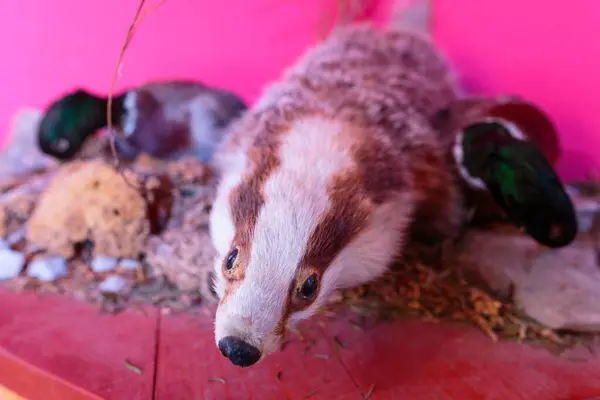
x=15, y=237
x=586, y=206
x=499, y=258
x=114, y=284
x=102, y=264
x=22, y=154
x=129, y=264
x=562, y=291
x=48, y=268
x=11, y=263
x=559, y=288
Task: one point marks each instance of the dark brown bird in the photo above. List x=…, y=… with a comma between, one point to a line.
x=162, y=119
x=505, y=148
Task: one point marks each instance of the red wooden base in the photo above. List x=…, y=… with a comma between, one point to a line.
x=60, y=349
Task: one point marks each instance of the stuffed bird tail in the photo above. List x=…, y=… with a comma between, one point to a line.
x=520, y=179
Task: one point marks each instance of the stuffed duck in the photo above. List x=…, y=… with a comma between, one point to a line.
x=164, y=120
x=504, y=148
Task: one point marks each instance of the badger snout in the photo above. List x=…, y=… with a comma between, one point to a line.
x=239, y=352
x=246, y=332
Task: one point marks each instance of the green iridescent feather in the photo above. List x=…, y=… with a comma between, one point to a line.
x=521, y=181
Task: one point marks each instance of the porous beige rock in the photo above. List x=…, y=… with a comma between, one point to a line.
x=91, y=201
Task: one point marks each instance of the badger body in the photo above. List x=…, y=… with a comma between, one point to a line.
x=324, y=179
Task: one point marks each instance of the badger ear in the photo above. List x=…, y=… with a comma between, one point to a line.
x=532, y=122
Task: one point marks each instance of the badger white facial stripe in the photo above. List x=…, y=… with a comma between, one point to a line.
x=338, y=158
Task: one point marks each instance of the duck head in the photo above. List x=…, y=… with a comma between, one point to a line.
x=69, y=121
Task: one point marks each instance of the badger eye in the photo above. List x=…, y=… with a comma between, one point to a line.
x=230, y=261
x=309, y=287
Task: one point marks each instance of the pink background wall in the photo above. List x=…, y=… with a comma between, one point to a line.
x=546, y=51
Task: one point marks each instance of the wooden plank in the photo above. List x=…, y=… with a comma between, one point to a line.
x=191, y=367
x=418, y=360
x=72, y=341
x=6, y=394
x=21, y=379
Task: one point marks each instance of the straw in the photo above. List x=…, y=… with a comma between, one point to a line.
x=137, y=19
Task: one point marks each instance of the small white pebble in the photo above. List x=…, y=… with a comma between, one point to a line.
x=103, y=264
x=15, y=237
x=47, y=269
x=129, y=264
x=113, y=284
x=11, y=263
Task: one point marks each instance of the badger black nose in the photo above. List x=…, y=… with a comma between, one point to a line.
x=239, y=352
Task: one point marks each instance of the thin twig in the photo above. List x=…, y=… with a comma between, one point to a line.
x=369, y=393
x=150, y=11
x=138, y=17
x=111, y=90
x=132, y=367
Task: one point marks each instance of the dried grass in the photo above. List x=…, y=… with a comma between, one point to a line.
x=413, y=289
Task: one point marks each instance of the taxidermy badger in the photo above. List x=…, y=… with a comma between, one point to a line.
x=322, y=180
